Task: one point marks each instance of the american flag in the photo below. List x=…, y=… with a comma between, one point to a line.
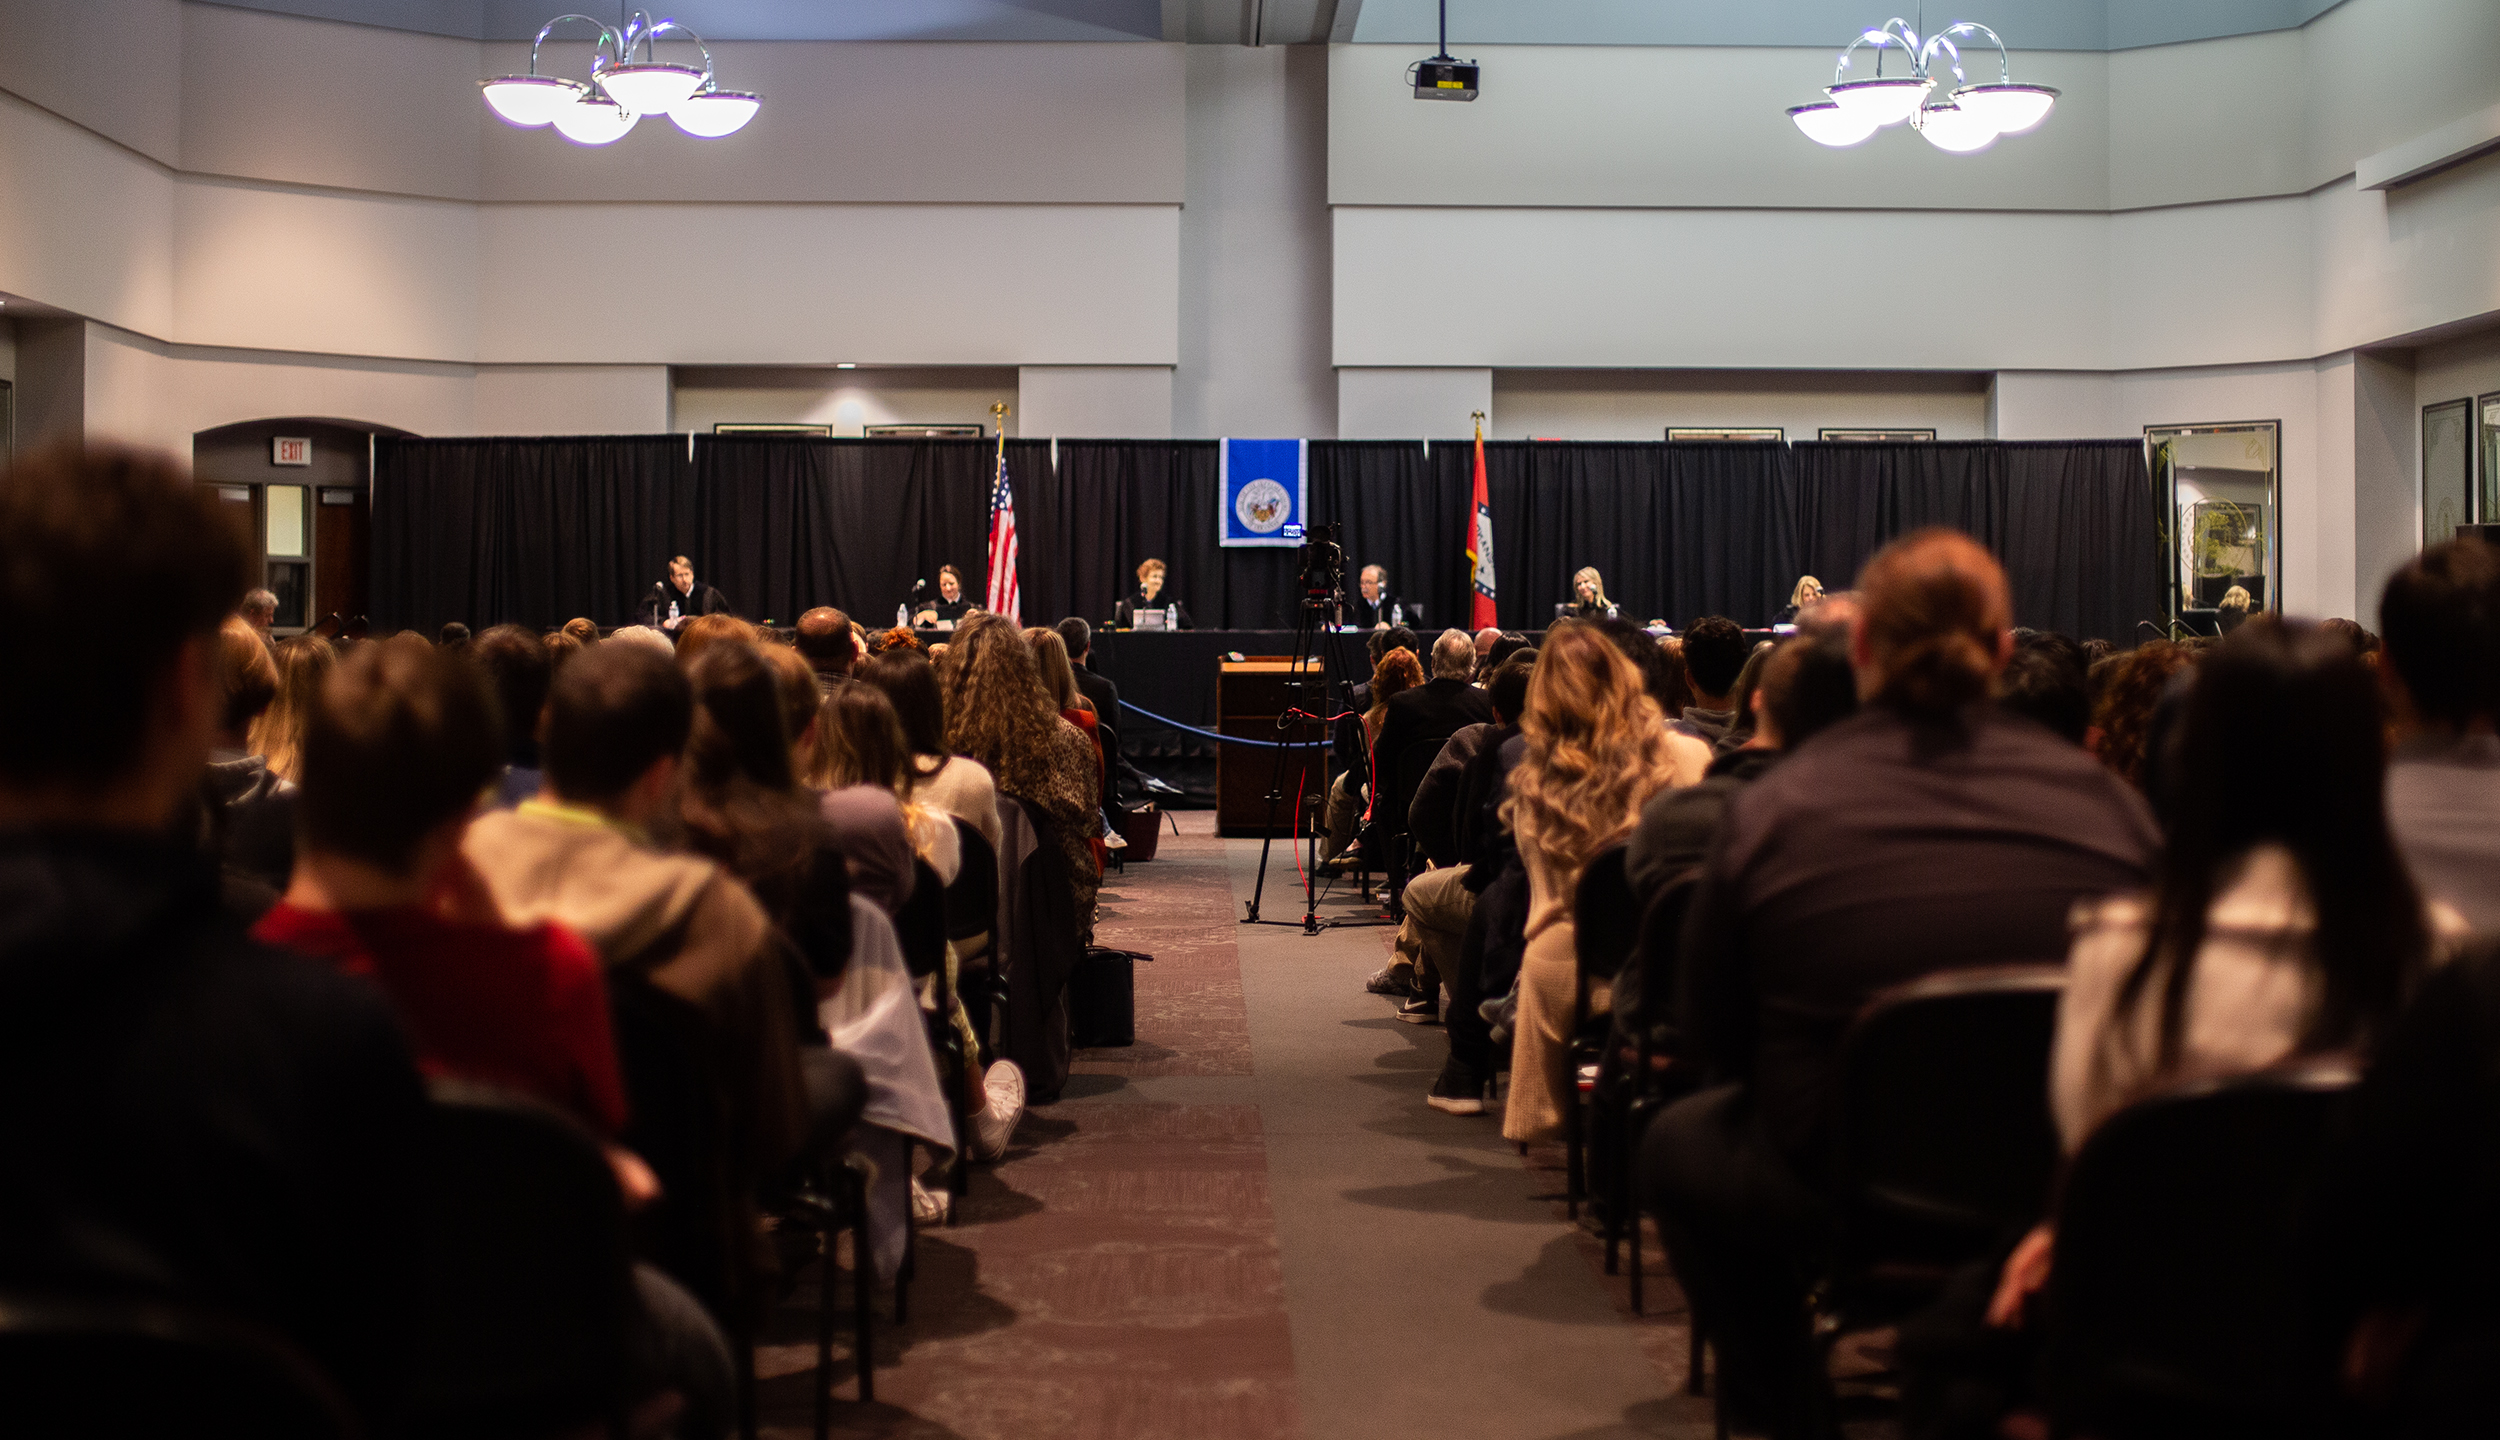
x=1003, y=598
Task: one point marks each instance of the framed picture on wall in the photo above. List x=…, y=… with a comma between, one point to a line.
x=820, y=431
x=2447, y=469
x=1876, y=437
x=1771, y=434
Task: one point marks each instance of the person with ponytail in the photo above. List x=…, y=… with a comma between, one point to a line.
x=1929, y=832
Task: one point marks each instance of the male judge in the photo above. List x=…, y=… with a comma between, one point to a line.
x=1374, y=608
x=678, y=599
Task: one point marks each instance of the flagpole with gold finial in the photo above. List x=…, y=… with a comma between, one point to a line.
x=998, y=412
x=1478, y=417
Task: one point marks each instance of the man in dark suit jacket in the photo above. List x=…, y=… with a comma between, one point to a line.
x=1435, y=710
x=1372, y=607
x=681, y=589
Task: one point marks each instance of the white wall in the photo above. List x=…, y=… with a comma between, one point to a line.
x=1106, y=401
x=148, y=393
x=1410, y=404
x=570, y=400
x=1641, y=404
x=847, y=400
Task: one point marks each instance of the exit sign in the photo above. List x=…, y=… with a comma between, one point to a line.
x=290, y=450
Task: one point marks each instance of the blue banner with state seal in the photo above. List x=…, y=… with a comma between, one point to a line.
x=1263, y=484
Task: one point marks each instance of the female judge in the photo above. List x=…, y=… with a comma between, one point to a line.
x=950, y=607
x=1151, y=595
x=1807, y=592
x=1588, y=595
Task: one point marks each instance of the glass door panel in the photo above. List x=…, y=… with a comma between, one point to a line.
x=2223, y=484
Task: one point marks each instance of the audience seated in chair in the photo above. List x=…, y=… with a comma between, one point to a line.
x=1595, y=750
x=580, y=854
x=1437, y=902
x=999, y=713
x=400, y=742
x=217, y=1122
x=1926, y=833
x=2442, y=614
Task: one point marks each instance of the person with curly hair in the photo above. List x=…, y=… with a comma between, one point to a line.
x=1596, y=751
x=2128, y=696
x=898, y=640
x=1000, y=713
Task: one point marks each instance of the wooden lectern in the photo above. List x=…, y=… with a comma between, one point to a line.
x=1249, y=695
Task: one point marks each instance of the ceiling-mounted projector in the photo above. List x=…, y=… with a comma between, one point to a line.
x=1442, y=78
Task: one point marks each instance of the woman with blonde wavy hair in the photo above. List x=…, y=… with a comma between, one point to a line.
x=999, y=712
x=1597, y=750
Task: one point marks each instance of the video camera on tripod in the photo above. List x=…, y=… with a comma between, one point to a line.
x=1321, y=562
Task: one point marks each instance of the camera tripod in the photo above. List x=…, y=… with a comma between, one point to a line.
x=1323, y=599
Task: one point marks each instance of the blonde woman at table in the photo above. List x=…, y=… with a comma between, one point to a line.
x=1588, y=596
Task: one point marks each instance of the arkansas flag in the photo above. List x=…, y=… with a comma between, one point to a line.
x=1480, y=550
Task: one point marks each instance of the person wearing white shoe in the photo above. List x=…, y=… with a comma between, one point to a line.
x=1003, y=1093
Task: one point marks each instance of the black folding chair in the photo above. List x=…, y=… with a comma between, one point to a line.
x=1942, y=1145
x=528, y=1305
x=698, y=1230
x=2175, y=1306
x=108, y=1368
x=1634, y=1086
x=1605, y=924
x=972, y=927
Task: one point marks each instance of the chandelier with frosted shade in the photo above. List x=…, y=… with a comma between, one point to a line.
x=1965, y=120
x=622, y=89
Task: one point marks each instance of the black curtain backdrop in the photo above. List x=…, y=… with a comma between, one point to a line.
x=530, y=530
x=1113, y=504
x=786, y=525
x=539, y=530
x=2074, y=521
x=1404, y=510
x=1678, y=531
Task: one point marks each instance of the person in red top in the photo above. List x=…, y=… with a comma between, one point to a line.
x=399, y=748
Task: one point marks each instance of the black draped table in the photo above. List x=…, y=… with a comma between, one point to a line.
x=1173, y=674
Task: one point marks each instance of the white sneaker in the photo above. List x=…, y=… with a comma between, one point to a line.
x=929, y=1207
x=996, y=1124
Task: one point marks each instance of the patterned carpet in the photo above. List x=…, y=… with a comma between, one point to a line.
x=1117, y=1275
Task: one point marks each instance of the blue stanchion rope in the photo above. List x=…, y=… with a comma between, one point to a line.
x=1226, y=739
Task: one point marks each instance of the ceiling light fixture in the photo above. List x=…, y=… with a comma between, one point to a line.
x=621, y=89
x=1967, y=120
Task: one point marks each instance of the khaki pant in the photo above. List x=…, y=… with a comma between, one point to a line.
x=1438, y=908
x=1345, y=813
x=1542, y=1086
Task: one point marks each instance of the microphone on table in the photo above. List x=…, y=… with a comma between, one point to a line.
x=917, y=586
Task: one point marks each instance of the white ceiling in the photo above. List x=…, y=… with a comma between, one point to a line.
x=2026, y=24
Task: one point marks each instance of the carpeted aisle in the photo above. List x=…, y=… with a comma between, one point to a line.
x=1249, y=1224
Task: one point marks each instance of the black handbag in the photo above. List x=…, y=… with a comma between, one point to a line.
x=1102, y=998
